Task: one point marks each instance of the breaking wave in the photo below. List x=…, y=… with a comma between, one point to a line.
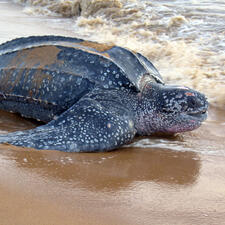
x=184, y=39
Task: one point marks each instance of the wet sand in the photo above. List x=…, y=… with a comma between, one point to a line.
x=127, y=186
x=155, y=180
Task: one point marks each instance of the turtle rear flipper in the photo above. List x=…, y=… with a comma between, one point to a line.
x=86, y=127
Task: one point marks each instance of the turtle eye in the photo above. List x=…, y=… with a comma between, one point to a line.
x=193, y=102
x=184, y=106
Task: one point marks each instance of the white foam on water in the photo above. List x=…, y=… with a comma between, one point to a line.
x=184, y=39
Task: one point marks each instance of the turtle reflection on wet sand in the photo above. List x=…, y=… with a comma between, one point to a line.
x=93, y=97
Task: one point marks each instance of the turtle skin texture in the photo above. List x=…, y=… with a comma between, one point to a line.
x=93, y=97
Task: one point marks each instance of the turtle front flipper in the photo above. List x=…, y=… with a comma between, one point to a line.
x=91, y=125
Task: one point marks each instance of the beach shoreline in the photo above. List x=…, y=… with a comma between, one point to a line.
x=155, y=180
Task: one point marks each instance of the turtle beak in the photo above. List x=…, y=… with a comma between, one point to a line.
x=197, y=103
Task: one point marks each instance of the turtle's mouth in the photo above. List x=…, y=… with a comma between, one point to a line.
x=198, y=115
x=188, y=121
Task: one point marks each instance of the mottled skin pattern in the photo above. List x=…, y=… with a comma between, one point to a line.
x=93, y=97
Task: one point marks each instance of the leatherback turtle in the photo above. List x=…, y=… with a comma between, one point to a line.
x=93, y=97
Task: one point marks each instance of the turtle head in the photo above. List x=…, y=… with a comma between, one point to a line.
x=169, y=109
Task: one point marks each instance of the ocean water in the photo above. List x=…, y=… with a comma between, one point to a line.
x=184, y=39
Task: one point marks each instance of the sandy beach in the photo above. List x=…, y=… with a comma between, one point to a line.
x=152, y=181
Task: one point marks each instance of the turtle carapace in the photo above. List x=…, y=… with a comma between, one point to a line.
x=93, y=97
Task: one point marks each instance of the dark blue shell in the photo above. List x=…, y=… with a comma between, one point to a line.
x=55, y=72
x=134, y=65
x=85, y=89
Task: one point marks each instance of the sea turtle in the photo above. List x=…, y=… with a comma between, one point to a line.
x=93, y=97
